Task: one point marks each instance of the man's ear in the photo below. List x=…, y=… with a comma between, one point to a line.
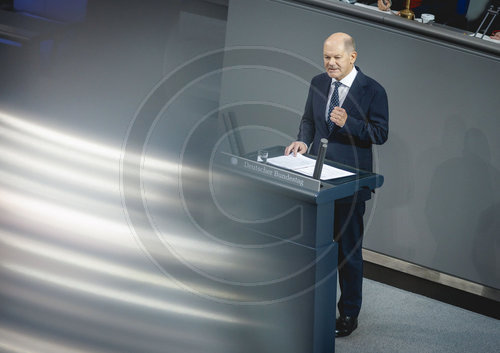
x=354, y=55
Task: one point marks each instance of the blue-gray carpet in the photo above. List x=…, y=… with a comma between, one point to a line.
x=393, y=320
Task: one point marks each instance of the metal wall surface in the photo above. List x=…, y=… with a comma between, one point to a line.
x=85, y=111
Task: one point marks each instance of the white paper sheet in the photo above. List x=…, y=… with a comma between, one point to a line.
x=305, y=165
x=485, y=37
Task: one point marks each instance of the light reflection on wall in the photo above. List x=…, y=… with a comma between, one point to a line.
x=75, y=276
x=67, y=250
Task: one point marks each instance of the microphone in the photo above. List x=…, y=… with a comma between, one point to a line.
x=318, y=167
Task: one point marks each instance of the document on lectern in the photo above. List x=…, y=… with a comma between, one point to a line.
x=305, y=165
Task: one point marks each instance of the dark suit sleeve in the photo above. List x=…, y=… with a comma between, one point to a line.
x=306, y=128
x=374, y=126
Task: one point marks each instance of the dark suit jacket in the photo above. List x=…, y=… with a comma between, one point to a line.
x=367, y=122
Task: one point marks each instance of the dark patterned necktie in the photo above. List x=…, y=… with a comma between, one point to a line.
x=334, y=102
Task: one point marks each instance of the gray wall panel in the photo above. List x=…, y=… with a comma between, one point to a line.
x=441, y=199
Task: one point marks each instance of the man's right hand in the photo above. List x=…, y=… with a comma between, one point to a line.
x=384, y=5
x=296, y=147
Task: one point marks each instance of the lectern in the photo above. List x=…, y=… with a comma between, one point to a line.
x=284, y=223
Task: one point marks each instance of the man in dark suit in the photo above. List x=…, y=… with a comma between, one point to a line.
x=349, y=109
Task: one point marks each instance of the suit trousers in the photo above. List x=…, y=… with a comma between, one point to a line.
x=348, y=232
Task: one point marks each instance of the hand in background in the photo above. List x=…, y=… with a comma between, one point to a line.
x=384, y=5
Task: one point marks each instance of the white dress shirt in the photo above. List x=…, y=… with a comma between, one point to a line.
x=346, y=84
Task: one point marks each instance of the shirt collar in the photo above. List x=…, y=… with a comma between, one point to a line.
x=349, y=79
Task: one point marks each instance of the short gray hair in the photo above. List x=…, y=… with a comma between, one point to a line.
x=349, y=44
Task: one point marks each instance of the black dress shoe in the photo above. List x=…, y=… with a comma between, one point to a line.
x=345, y=325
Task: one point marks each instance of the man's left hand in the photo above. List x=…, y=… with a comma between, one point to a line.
x=338, y=116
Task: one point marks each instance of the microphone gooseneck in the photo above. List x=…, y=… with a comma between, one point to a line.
x=318, y=167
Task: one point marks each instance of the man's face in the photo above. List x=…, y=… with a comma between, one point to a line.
x=337, y=61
